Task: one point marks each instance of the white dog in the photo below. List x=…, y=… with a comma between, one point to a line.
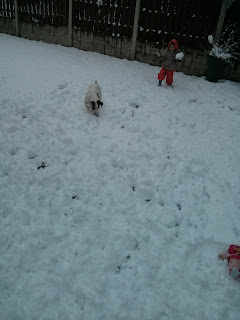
x=93, y=98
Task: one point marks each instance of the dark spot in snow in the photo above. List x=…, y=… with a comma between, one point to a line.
x=32, y=157
x=177, y=224
x=100, y=204
x=13, y=152
x=168, y=157
x=133, y=188
x=122, y=126
x=136, y=247
x=230, y=108
x=134, y=105
x=24, y=117
x=193, y=100
x=66, y=214
x=76, y=253
x=75, y=197
x=118, y=269
x=161, y=203
x=208, y=195
x=43, y=165
x=179, y=206
x=61, y=86
x=128, y=257
x=147, y=200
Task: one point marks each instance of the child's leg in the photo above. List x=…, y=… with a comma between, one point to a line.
x=234, y=273
x=169, y=79
x=162, y=74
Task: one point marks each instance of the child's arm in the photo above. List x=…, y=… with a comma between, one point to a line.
x=161, y=56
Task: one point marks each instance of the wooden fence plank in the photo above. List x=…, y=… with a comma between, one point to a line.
x=130, y=17
x=8, y=5
x=27, y=11
x=117, y=18
x=65, y=13
x=45, y=11
x=107, y=10
x=12, y=9
x=87, y=9
x=96, y=17
x=82, y=14
x=55, y=8
x=123, y=19
x=34, y=11
x=1, y=8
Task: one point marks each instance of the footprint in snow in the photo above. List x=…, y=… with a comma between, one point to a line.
x=42, y=166
x=135, y=105
x=192, y=100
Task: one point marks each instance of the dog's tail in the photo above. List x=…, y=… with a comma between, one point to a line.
x=95, y=81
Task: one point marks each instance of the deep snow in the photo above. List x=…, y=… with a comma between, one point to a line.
x=120, y=216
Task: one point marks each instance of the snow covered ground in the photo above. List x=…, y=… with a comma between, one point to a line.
x=119, y=217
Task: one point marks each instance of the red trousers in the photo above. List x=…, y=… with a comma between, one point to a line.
x=162, y=74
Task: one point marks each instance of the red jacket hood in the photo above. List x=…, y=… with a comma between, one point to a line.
x=175, y=42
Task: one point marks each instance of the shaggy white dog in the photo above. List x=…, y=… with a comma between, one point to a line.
x=93, y=98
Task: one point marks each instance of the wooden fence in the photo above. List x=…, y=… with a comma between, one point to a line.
x=44, y=12
x=110, y=17
x=190, y=21
x=7, y=9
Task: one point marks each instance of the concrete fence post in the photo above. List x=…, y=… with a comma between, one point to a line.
x=221, y=18
x=16, y=17
x=70, y=40
x=135, y=30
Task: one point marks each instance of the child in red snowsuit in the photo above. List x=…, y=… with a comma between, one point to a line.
x=233, y=256
x=169, y=61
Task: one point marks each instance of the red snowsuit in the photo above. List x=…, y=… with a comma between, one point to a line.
x=169, y=63
x=162, y=74
x=233, y=257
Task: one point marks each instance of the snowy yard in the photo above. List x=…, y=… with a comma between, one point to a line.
x=119, y=217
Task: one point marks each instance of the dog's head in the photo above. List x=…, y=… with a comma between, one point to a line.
x=96, y=105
